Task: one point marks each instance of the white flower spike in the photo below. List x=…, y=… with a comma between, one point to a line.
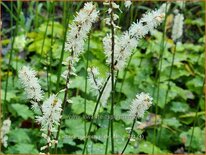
x=80, y=28
x=177, y=29
x=4, y=131
x=31, y=86
x=140, y=104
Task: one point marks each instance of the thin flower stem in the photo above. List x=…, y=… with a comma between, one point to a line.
x=49, y=84
x=157, y=78
x=48, y=135
x=112, y=80
x=124, y=77
x=65, y=23
x=44, y=38
x=64, y=100
x=167, y=92
x=196, y=114
x=194, y=123
x=11, y=50
x=36, y=20
x=107, y=141
x=86, y=82
x=93, y=115
x=130, y=135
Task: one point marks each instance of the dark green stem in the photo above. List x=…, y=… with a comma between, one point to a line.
x=65, y=22
x=167, y=92
x=93, y=115
x=11, y=50
x=112, y=81
x=130, y=135
x=157, y=79
x=85, y=89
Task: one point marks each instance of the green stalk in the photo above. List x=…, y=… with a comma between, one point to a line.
x=49, y=83
x=124, y=77
x=10, y=11
x=93, y=115
x=167, y=92
x=112, y=81
x=64, y=100
x=130, y=135
x=195, y=119
x=85, y=89
x=193, y=127
x=107, y=141
x=42, y=47
x=11, y=50
x=65, y=23
x=36, y=15
x=157, y=79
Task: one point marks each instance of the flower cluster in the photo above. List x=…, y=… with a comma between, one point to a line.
x=129, y=39
x=177, y=29
x=79, y=30
x=110, y=20
x=51, y=108
x=97, y=84
x=140, y=104
x=50, y=119
x=94, y=78
x=4, y=131
x=127, y=3
x=31, y=85
x=106, y=92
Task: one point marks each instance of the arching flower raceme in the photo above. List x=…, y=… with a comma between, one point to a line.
x=140, y=104
x=177, y=29
x=31, y=85
x=129, y=39
x=51, y=113
x=50, y=118
x=4, y=131
x=79, y=29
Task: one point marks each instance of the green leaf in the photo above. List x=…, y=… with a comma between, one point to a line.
x=75, y=128
x=172, y=122
x=179, y=107
x=78, y=105
x=197, y=143
x=147, y=147
x=22, y=110
x=79, y=83
x=196, y=84
x=57, y=29
x=19, y=136
x=22, y=148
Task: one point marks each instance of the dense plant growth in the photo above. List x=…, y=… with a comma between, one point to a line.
x=102, y=77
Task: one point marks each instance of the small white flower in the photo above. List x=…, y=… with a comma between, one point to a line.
x=127, y=3
x=124, y=45
x=51, y=114
x=31, y=84
x=94, y=79
x=4, y=131
x=79, y=30
x=115, y=6
x=112, y=20
x=106, y=93
x=177, y=29
x=140, y=104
